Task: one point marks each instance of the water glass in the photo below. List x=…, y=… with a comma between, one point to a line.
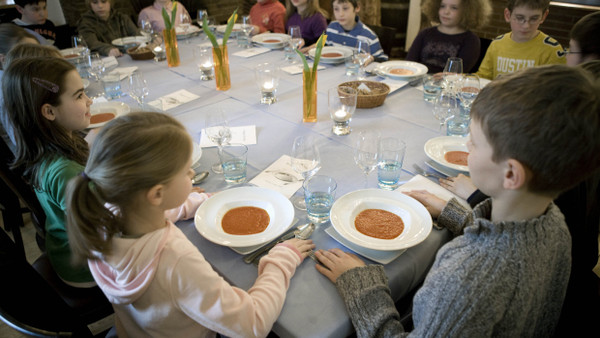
x=184, y=23
x=204, y=60
x=458, y=125
x=112, y=85
x=243, y=37
x=294, y=42
x=432, y=86
x=391, y=157
x=363, y=53
x=138, y=88
x=77, y=41
x=319, y=192
x=233, y=161
x=342, y=104
x=352, y=65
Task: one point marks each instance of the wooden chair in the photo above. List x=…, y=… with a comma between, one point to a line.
x=387, y=36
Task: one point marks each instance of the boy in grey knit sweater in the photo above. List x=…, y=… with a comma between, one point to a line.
x=533, y=135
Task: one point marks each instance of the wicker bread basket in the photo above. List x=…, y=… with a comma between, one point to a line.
x=379, y=92
x=143, y=53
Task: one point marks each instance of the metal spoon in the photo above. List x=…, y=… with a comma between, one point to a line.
x=200, y=177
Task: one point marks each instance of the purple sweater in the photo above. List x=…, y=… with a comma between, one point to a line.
x=432, y=48
x=311, y=27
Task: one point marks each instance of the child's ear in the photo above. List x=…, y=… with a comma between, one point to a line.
x=515, y=175
x=19, y=9
x=544, y=16
x=506, y=15
x=47, y=112
x=155, y=195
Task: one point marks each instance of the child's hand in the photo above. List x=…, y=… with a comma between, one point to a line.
x=114, y=52
x=304, y=246
x=461, y=185
x=432, y=203
x=336, y=262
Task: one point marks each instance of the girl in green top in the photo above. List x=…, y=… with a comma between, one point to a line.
x=46, y=103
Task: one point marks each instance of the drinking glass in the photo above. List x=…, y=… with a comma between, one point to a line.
x=267, y=79
x=391, y=158
x=243, y=39
x=366, y=151
x=363, y=53
x=204, y=60
x=452, y=71
x=138, y=88
x=342, y=104
x=217, y=130
x=201, y=14
x=295, y=40
x=305, y=160
x=469, y=88
x=146, y=29
x=185, y=22
x=96, y=66
x=77, y=41
x=234, y=158
x=319, y=192
x=445, y=106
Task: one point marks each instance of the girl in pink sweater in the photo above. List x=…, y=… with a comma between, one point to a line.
x=158, y=282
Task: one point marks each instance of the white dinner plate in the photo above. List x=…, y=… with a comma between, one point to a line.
x=236, y=28
x=128, y=40
x=417, y=221
x=437, y=147
x=271, y=40
x=210, y=213
x=193, y=30
x=71, y=53
x=112, y=107
x=411, y=69
x=337, y=54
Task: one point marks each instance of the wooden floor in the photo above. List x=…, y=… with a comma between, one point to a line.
x=33, y=252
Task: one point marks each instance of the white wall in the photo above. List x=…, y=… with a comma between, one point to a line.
x=55, y=13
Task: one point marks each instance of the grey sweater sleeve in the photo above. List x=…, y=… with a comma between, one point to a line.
x=454, y=217
x=369, y=303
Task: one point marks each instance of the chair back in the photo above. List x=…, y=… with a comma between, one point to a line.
x=21, y=188
x=28, y=304
x=387, y=36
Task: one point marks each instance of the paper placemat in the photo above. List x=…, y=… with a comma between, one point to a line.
x=381, y=257
x=246, y=53
x=297, y=69
x=419, y=182
x=173, y=100
x=123, y=71
x=280, y=176
x=244, y=135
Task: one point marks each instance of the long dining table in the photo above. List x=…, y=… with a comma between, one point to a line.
x=312, y=307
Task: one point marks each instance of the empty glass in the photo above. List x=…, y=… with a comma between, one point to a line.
x=138, y=88
x=445, y=106
x=342, y=104
x=363, y=53
x=243, y=38
x=184, y=22
x=96, y=66
x=217, y=130
x=365, y=152
x=469, y=88
x=305, y=160
x=294, y=43
x=451, y=73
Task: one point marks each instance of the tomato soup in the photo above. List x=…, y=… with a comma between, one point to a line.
x=379, y=223
x=102, y=117
x=456, y=157
x=245, y=221
x=401, y=71
x=271, y=41
x=331, y=55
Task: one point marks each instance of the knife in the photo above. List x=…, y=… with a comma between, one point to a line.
x=252, y=256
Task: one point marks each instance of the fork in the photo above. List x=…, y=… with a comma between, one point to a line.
x=422, y=172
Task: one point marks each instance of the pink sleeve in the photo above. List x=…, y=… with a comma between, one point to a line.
x=210, y=300
x=188, y=208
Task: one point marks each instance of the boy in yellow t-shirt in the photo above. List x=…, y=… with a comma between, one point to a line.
x=525, y=46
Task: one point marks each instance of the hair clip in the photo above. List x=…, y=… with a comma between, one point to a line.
x=46, y=84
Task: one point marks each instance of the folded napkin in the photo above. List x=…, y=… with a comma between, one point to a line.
x=421, y=183
x=123, y=71
x=244, y=135
x=280, y=176
x=110, y=61
x=246, y=53
x=297, y=69
x=173, y=100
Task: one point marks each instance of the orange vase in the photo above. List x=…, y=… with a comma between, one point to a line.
x=221, y=60
x=171, y=47
x=309, y=96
